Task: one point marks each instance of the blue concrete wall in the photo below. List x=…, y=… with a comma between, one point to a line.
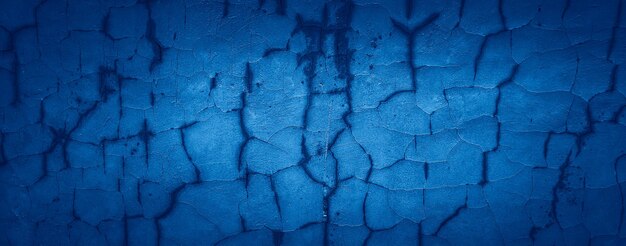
x=291, y=122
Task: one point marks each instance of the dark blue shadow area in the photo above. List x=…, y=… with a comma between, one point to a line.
x=293, y=122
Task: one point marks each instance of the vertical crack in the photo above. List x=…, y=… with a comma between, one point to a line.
x=181, y=130
x=614, y=31
x=546, y=144
x=408, y=8
x=501, y=13
x=145, y=134
x=420, y=234
x=281, y=6
x=248, y=77
x=460, y=14
x=15, y=65
x=485, y=169
x=276, y=198
x=226, y=7
x=277, y=237
x=410, y=33
x=157, y=47
x=560, y=184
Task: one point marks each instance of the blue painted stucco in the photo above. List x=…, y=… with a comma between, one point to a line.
x=289, y=122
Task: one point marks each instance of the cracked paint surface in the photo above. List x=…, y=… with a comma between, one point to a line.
x=275, y=122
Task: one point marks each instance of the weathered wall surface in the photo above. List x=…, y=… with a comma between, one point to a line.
x=475, y=122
